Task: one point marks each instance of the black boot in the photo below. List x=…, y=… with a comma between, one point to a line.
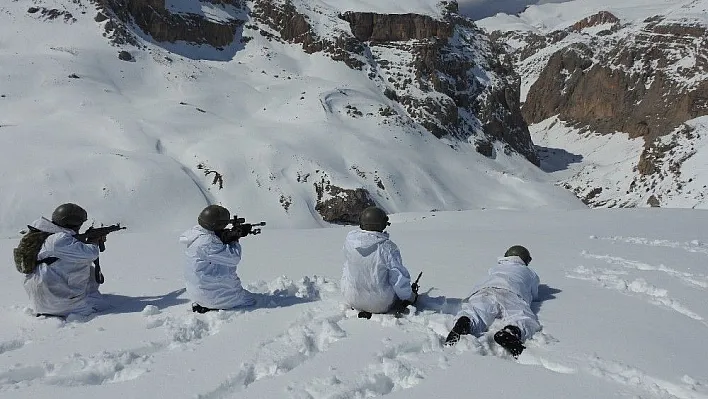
x=463, y=326
x=509, y=338
x=197, y=308
x=364, y=314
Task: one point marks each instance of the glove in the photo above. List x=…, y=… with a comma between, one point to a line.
x=96, y=240
x=245, y=229
x=228, y=236
x=415, y=287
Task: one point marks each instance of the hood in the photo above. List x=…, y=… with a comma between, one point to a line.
x=511, y=261
x=364, y=241
x=47, y=226
x=189, y=236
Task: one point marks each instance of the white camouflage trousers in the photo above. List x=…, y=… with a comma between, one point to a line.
x=488, y=304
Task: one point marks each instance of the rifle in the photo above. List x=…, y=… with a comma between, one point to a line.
x=415, y=287
x=240, y=225
x=91, y=234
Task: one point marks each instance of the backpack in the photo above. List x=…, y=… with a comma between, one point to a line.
x=26, y=252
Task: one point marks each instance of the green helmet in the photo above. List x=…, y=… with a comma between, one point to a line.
x=69, y=216
x=521, y=252
x=373, y=218
x=214, y=218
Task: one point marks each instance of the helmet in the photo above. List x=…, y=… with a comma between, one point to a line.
x=521, y=252
x=214, y=218
x=69, y=216
x=373, y=219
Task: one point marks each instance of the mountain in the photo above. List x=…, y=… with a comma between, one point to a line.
x=636, y=69
x=295, y=112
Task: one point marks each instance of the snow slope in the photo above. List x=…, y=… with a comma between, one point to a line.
x=78, y=124
x=623, y=314
x=588, y=161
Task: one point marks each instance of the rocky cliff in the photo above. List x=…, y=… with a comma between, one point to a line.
x=445, y=73
x=640, y=83
x=162, y=25
x=600, y=74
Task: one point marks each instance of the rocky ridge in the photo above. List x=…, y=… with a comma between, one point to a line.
x=605, y=76
x=440, y=73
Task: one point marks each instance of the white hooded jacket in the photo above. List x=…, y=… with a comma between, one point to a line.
x=512, y=274
x=373, y=274
x=64, y=286
x=210, y=274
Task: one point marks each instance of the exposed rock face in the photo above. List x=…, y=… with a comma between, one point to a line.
x=601, y=18
x=52, y=14
x=340, y=205
x=443, y=82
x=293, y=27
x=646, y=80
x=367, y=26
x=153, y=18
x=637, y=83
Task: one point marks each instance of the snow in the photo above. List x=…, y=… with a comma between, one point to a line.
x=77, y=124
x=623, y=295
x=547, y=17
x=623, y=315
x=588, y=160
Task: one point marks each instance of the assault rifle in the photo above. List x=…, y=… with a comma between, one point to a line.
x=92, y=234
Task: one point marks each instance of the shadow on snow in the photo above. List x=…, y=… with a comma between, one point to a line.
x=556, y=159
x=129, y=304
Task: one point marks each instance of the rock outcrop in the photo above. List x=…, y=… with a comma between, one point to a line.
x=645, y=79
x=153, y=18
x=646, y=82
x=443, y=82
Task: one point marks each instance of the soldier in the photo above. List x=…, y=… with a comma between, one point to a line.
x=374, y=279
x=506, y=293
x=62, y=282
x=214, y=252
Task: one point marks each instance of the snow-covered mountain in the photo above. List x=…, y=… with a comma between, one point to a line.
x=296, y=112
x=634, y=68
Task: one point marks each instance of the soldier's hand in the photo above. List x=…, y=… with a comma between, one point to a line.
x=96, y=240
x=228, y=236
x=245, y=229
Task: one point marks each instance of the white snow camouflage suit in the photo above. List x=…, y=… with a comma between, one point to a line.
x=373, y=276
x=210, y=273
x=67, y=286
x=506, y=293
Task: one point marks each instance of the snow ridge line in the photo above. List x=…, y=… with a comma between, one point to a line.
x=639, y=287
x=79, y=370
x=11, y=345
x=690, y=246
x=627, y=375
x=395, y=369
x=698, y=280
